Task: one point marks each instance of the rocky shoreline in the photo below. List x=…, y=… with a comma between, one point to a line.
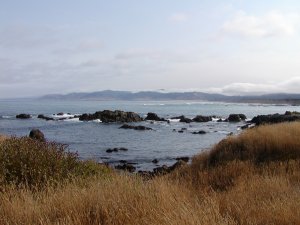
x=118, y=116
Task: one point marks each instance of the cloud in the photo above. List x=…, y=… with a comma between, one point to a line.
x=83, y=46
x=289, y=86
x=28, y=37
x=178, y=17
x=272, y=24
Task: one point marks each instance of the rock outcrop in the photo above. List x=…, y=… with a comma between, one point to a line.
x=37, y=135
x=43, y=117
x=182, y=119
x=23, y=116
x=236, y=117
x=202, y=119
x=108, y=116
x=276, y=118
x=154, y=116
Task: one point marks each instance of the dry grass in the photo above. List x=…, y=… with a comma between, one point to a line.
x=2, y=138
x=250, y=179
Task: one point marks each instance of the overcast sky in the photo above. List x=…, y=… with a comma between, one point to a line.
x=229, y=47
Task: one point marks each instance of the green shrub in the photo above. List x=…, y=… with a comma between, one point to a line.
x=32, y=163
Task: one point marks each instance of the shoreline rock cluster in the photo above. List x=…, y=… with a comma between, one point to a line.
x=118, y=116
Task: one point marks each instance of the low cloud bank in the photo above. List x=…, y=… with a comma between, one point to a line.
x=289, y=86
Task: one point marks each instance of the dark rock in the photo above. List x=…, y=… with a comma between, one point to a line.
x=199, y=132
x=289, y=113
x=246, y=126
x=236, y=117
x=154, y=116
x=177, y=165
x=37, y=135
x=109, y=150
x=184, y=158
x=243, y=116
x=108, y=116
x=123, y=161
x=23, y=116
x=41, y=116
x=201, y=119
x=161, y=170
x=219, y=120
x=126, y=126
x=180, y=131
x=174, y=130
x=183, y=119
x=155, y=161
x=60, y=114
x=127, y=167
x=275, y=118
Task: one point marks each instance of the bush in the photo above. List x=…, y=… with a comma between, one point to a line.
x=24, y=161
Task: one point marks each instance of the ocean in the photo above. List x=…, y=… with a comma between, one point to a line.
x=91, y=139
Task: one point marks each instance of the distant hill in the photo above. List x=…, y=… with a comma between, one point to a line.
x=280, y=98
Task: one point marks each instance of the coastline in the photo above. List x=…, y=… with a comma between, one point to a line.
x=238, y=180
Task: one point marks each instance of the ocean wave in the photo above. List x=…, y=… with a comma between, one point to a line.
x=97, y=121
x=154, y=104
x=65, y=115
x=6, y=117
x=73, y=120
x=174, y=120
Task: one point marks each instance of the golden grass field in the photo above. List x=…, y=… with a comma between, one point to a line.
x=253, y=178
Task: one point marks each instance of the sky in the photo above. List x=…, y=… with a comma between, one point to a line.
x=230, y=47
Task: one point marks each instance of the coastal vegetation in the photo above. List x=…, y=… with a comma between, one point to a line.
x=252, y=178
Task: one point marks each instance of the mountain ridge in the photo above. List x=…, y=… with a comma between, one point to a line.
x=107, y=95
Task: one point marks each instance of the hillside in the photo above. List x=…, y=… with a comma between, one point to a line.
x=159, y=96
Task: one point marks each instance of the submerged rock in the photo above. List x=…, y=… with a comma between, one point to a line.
x=126, y=126
x=43, y=117
x=199, y=132
x=110, y=150
x=155, y=161
x=108, y=116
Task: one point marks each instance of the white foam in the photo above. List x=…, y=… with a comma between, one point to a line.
x=153, y=104
x=73, y=120
x=97, y=121
x=65, y=115
x=174, y=120
x=6, y=117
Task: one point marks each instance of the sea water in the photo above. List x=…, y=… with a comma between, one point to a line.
x=91, y=139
